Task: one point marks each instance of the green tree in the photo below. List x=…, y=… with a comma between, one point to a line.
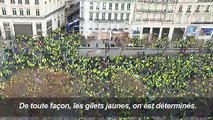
x=2, y=45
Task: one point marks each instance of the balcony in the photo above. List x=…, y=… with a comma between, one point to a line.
x=204, y=1
x=156, y=11
x=146, y=19
x=158, y=1
x=158, y=19
x=153, y=19
x=154, y=1
x=188, y=11
x=202, y=22
x=137, y=20
x=106, y=20
x=169, y=11
x=138, y=10
x=168, y=21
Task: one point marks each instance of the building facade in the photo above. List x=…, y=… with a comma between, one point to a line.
x=105, y=16
x=30, y=17
x=72, y=10
x=153, y=17
x=170, y=19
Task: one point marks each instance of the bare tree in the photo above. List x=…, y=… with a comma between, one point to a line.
x=33, y=83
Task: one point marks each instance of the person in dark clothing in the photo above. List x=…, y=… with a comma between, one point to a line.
x=105, y=47
x=108, y=47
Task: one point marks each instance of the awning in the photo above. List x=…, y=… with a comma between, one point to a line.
x=117, y=32
x=90, y=34
x=103, y=36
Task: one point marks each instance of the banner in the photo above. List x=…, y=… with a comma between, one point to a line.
x=206, y=31
x=191, y=31
x=135, y=31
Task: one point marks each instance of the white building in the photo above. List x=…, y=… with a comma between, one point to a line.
x=105, y=16
x=72, y=9
x=30, y=17
x=171, y=18
x=161, y=18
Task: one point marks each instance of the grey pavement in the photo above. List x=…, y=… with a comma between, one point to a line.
x=127, y=51
x=99, y=42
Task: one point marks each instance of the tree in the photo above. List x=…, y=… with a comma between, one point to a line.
x=124, y=85
x=2, y=45
x=208, y=45
x=30, y=83
x=121, y=85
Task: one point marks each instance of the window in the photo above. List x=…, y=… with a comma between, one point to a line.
x=91, y=5
x=19, y=1
x=0, y=33
x=207, y=8
x=91, y=16
x=122, y=16
x=128, y=6
x=36, y=2
x=197, y=8
x=27, y=2
x=4, y=11
x=189, y=8
x=98, y=6
x=82, y=14
x=116, y=16
x=109, y=16
x=127, y=17
x=1, y=1
x=37, y=12
x=12, y=1
x=97, y=16
x=122, y=6
x=103, y=16
x=110, y=6
x=104, y=6
x=49, y=26
x=28, y=11
x=14, y=11
x=38, y=28
x=21, y=11
x=180, y=8
x=116, y=6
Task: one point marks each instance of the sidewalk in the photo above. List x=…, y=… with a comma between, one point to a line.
x=99, y=42
x=129, y=51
